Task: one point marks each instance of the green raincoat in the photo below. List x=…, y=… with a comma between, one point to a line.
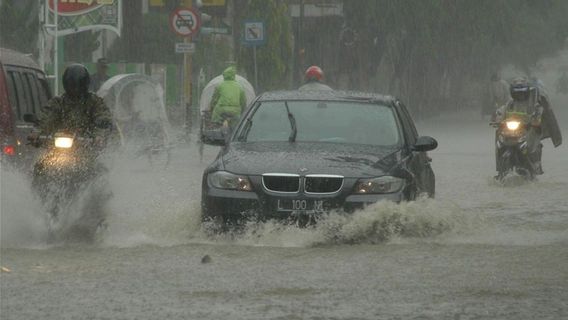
x=229, y=99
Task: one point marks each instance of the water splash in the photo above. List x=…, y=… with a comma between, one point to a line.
x=151, y=204
x=379, y=223
x=22, y=219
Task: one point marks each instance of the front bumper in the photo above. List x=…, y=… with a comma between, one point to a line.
x=262, y=205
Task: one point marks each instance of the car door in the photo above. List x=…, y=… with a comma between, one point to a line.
x=418, y=162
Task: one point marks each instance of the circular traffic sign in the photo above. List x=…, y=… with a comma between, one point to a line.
x=185, y=21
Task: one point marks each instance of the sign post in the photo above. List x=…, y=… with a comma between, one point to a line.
x=185, y=22
x=254, y=36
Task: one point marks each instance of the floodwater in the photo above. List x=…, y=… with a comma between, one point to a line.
x=480, y=250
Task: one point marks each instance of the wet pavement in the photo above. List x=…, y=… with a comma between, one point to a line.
x=480, y=250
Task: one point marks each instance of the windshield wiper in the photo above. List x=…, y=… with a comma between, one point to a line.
x=294, y=132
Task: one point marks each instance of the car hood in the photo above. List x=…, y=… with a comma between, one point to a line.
x=256, y=158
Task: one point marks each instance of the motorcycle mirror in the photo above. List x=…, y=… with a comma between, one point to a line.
x=425, y=143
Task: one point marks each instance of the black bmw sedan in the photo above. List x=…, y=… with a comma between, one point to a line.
x=297, y=154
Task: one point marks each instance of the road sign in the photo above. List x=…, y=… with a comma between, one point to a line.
x=254, y=34
x=185, y=21
x=185, y=47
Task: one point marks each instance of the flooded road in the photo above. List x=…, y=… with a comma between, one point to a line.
x=480, y=250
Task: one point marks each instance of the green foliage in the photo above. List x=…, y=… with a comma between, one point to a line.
x=274, y=57
x=19, y=25
x=213, y=54
x=153, y=42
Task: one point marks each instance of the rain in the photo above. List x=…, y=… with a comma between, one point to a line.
x=133, y=219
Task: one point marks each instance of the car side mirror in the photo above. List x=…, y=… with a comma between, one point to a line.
x=31, y=118
x=425, y=143
x=214, y=137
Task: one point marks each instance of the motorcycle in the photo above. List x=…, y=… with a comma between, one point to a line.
x=512, y=146
x=211, y=132
x=70, y=182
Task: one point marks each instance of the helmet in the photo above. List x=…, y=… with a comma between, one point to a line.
x=520, y=89
x=314, y=73
x=76, y=80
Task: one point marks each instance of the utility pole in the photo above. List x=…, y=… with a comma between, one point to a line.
x=187, y=79
x=300, y=43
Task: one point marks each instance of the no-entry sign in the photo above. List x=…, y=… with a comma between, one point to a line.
x=185, y=21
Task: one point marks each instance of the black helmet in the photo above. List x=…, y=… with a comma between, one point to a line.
x=520, y=89
x=76, y=80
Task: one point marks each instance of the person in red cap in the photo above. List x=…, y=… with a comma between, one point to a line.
x=313, y=78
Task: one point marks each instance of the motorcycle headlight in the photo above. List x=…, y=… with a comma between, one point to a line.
x=513, y=125
x=229, y=181
x=384, y=184
x=63, y=142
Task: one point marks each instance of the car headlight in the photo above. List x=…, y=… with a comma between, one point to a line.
x=384, y=184
x=229, y=181
x=513, y=125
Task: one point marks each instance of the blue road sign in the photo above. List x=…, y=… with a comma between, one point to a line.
x=254, y=33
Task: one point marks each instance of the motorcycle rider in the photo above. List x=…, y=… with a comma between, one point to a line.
x=77, y=110
x=80, y=113
x=229, y=99
x=532, y=101
x=313, y=80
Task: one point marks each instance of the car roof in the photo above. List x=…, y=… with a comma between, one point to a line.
x=326, y=95
x=11, y=57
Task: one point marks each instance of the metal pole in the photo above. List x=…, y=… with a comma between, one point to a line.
x=301, y=42
x=187, y=79
x=56, y=49
x=187, y=87
x=41, y=37
x=255, y=68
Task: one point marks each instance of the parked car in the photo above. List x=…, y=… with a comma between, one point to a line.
x=23, y=91
x=297, y=154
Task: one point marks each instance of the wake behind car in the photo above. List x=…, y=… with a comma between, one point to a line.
x=302, y=154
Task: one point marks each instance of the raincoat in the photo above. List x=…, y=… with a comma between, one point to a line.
x=228, y=99
x=88, y=116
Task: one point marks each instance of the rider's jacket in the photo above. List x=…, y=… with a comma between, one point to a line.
x=86, y=116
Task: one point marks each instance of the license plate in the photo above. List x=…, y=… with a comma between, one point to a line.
x=301, y=206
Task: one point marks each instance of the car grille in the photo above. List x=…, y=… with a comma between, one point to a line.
x=281, y=182
x=323, y=183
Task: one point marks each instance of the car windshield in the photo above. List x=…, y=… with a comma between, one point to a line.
x=322, y=121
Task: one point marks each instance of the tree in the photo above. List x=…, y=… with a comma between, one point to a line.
x=434, y=49
x=148, y=40
x=274, y=57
